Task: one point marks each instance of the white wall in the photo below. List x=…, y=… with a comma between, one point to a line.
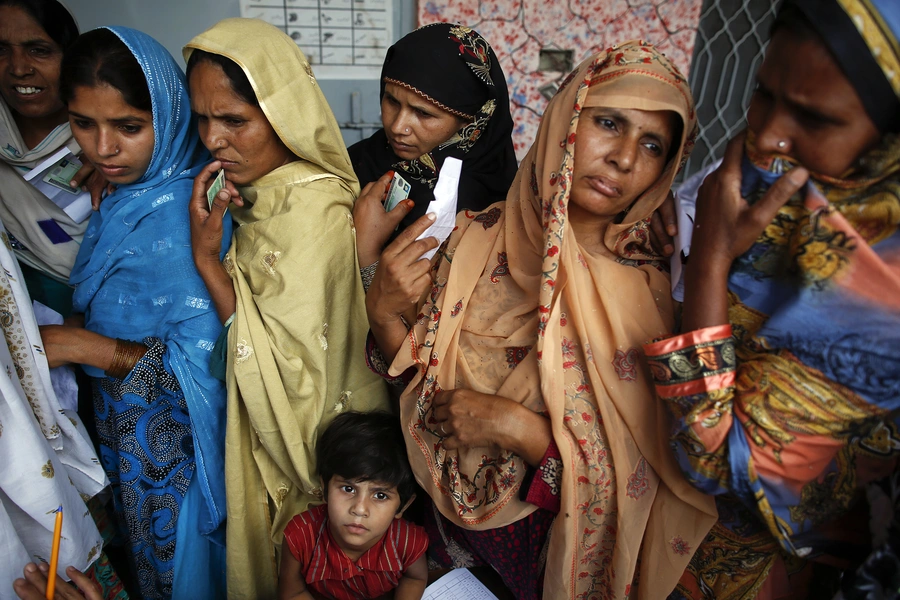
x=175, y=22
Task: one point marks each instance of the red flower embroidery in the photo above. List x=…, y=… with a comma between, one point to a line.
x=553, y=251
x=434, y=362
x=638, y=482
x=625, y=364
x=679, y=546
x=456, y=308
x=515, y=355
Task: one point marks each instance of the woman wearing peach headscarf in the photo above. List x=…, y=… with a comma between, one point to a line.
x=529, y=394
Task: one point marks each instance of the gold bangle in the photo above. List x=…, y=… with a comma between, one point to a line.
x=126, y=356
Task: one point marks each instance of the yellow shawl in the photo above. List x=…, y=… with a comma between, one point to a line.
x=297, y=343
x=525, y=313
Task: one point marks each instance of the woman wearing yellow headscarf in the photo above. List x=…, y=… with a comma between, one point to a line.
x=289, y=286
x=530, y=406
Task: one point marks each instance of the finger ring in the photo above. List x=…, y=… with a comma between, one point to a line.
x=443, y=431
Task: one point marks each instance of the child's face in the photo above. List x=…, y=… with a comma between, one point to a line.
x=360, y=512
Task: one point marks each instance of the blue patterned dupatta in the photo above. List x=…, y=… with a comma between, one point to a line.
x=162, y=427
x=790, y=410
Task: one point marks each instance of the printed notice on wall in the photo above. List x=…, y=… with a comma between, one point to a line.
x=343, y=39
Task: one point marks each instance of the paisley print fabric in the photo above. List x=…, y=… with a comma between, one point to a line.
x=519, y=279
x=791, y=408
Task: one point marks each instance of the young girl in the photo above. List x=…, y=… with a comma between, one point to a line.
x=159, y=412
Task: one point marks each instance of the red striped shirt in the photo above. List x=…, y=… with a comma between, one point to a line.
x=329, y=572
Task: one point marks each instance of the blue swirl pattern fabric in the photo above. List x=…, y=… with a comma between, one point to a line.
x=163, y=425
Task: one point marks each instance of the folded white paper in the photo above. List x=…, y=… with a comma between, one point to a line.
x=446, y=192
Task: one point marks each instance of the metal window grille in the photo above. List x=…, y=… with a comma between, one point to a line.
x=731, y=39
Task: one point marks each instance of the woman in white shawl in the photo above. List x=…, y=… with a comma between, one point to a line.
x=34, y=125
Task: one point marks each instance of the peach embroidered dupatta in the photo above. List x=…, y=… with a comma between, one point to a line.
x=519, y=310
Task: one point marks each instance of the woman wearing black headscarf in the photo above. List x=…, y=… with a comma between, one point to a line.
x=443, y=94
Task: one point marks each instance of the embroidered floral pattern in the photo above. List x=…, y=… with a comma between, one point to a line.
x=638, y=482
x=625, y=364
x=679, y=546
x=456, y=308
x=269, y=260
x=515, y=355
x=242, y=351
x=489, y=218
x=502, y=268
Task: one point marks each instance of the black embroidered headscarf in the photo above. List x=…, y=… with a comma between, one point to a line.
x=455, y=69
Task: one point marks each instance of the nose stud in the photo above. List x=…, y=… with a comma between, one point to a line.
x=407, y=130
x=117, y=151
x=782, y=145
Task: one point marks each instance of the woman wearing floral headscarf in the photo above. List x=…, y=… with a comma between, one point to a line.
x=443, y=94
x=530, y=410
x=785, y=384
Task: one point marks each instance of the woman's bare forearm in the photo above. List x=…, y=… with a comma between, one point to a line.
x=705, y=292
x=221, y=289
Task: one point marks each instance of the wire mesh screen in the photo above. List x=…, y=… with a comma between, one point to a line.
x=728, y=50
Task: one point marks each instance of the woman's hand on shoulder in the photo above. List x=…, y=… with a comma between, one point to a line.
x=89, y=179
x=403, y=275
x=34, y=585
x=726, y=226
x=664, y=226
x=471, y=419
x=374, y=225
x=206, y=221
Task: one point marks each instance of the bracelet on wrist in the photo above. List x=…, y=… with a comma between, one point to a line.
x=126, y=356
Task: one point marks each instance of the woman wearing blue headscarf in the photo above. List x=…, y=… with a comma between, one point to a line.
x=149, y=323
x=784, y=384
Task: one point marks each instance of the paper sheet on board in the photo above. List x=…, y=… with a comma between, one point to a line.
x=458, y=584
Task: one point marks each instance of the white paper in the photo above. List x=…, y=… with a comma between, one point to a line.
x=458, y=584
x=685, y=208
x=446, y=192
x=77, y=206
